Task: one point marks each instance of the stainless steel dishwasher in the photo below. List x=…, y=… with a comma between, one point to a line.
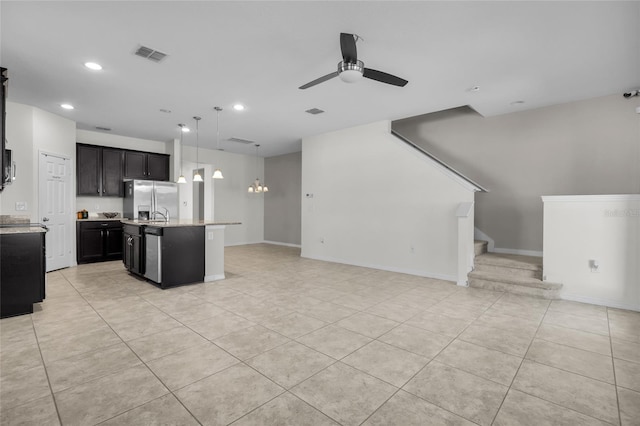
x=153, y=254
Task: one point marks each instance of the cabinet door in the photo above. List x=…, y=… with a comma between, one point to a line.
x=23, y=282
x=88, y=169
x=135, y=165
x=113, y=243
x=112, y=175
x=90, y=243
x=136, y=255
x=157, y=167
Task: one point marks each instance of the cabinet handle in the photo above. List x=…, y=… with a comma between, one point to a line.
x=107, y=233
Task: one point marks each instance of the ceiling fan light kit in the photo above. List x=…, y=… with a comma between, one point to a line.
x=351, y=70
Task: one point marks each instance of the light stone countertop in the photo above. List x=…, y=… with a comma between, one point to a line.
x=21, y=230
x=177, y=222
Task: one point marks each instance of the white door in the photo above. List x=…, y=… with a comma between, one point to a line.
x=55, y=208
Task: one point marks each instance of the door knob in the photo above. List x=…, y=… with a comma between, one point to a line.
x=45, y=219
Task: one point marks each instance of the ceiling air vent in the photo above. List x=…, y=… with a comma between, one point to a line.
x=105, y=129
x=314, y=111
x=242, y=141
x=150, y=54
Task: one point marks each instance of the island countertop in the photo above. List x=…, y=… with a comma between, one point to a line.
x=26, y=229
x=177, y=222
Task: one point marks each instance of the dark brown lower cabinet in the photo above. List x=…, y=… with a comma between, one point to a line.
x=99, y=241
x=22, y=275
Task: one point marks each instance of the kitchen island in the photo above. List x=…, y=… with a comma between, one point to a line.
x=175, y=252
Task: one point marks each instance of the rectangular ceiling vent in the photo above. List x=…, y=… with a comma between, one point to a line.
x=314, y=111
x=243, y=141
x=150, y=54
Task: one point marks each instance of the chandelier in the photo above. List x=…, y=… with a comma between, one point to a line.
x=256, y=187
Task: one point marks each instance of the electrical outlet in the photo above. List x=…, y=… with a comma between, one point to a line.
x=595, y=266
x=21, y=206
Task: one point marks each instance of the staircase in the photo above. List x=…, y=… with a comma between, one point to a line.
x=510, y=273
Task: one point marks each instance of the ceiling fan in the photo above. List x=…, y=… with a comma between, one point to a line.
x=350, y=69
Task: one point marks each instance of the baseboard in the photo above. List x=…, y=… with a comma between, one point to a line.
x=242, y=244
x=601, y=302
x=277, y=243
x=517, y=251
x=216, y=277
x=415, y=272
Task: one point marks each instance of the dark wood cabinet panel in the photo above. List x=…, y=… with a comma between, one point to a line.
x=112, y=176
x=99, y=241
x=133, y=250
x=88, y=169
x=158, y=167
x=100, y=171
x=135, y=165
x=113, y=243
x=146, y=165
x=182, y=255
x=23, y=283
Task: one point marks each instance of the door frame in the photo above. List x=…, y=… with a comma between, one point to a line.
x=69, y=187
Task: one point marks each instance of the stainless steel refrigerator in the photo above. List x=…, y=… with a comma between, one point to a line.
x=142, y=198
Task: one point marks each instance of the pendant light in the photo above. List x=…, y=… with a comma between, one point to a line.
x=181, y=179
x=256, y=187
x=197, y=177
x=217, y=173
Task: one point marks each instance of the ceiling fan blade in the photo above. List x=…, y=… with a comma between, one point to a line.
x=319, y=80
x=348, y=47
x=384, y=77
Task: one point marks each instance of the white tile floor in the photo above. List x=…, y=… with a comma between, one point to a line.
x=291, y=341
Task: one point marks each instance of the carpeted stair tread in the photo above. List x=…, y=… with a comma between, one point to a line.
x=480, y=247
x=513, y=280
x=516, y=289
x=532, y=263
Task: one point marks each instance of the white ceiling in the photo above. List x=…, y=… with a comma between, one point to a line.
x=259, y=53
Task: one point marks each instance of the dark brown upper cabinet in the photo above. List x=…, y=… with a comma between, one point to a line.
x=146, y=165
x=99, y=171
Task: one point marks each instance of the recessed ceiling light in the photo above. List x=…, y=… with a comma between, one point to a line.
x=66, y=106
x=473, y=89
x=238, y=107
x=517, y=103
x=166, y=111
x=93, y=66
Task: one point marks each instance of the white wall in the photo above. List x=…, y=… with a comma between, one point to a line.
x=379, y=203
x=585, y=147
x=30, y=130
x=19, y=133
x=605, y=228
x=232, y=202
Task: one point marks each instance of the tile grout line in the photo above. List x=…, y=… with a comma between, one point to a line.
x=44, y=367
x=428, y=363
x=613, y=365
x=143, y=363
x=520, y=366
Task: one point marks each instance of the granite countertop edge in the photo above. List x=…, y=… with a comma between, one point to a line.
x=177, y=223
x=21, y=230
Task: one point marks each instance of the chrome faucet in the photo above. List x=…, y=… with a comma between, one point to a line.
x=165, y=215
